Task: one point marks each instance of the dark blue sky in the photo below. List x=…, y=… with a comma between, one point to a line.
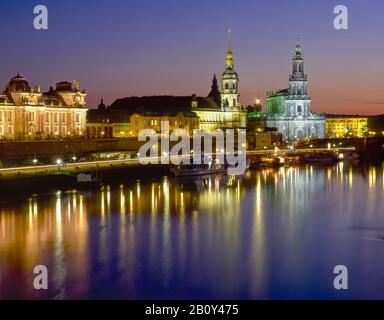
x=118, y=48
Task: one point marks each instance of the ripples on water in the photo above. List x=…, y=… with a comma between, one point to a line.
x=275, y=233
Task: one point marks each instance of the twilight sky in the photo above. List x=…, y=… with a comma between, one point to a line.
x=118, y=48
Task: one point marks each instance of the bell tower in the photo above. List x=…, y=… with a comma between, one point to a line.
x=298, y=102
x=229, y=81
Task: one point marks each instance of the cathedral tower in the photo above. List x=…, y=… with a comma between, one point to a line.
x=298, y=102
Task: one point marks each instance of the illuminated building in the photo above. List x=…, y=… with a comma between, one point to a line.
x=297, y=121
x=222, y=110
x=255, y=112
x=125, y=118
x=339, y=126
x=258, y=135
x=229, y=82
x=219, y=110
x=263, y=138
x=26, y=113
x=276, y=101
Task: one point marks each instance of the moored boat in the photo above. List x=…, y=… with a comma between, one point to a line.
x=321, y=157
x=349, y=156
x=193, y=170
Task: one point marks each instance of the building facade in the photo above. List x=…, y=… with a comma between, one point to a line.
x=341, y=126
x=276, y=101
x=222, y=110
x=26, y=113
x=126, y=118
x=298, y=121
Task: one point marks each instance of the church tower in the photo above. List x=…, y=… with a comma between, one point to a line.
x=215, y=94
x=298, y=102
x=229, y=82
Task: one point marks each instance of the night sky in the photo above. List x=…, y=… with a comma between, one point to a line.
x=119, y=48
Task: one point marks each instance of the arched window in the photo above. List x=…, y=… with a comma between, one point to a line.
x=299, y=109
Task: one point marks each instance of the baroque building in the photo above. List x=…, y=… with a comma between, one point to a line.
x=341, y=126
x=126, y=117
x=26, y=113
x=221, y=110
x=296, y=120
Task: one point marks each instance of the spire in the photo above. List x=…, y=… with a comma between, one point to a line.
x=229, y=58
x=214, y=94
x=229, y=39
x=101, y=106
x=214, y=83
x=298, y=51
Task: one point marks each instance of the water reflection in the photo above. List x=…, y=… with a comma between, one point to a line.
x=274, y=233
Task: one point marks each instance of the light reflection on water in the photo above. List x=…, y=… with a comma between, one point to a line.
x=274, y=233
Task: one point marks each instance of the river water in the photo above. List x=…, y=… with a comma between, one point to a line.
x=270, y=234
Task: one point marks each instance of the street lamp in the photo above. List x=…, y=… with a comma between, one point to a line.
x=35, y=161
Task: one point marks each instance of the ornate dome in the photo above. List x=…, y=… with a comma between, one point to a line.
x=230, y=74
x=19, y=83
x=63, y=86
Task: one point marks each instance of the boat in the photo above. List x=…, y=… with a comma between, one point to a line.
x=260, y=162
x=193, y=170
x=321, y=157
x=293, y=159
x=87, y=180
x=349, y=156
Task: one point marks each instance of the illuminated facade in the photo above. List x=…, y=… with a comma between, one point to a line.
x=128, y=121
x=339, y=126
x=26, y=113
x=297, y=120
x=221, y=110
x=276, y=101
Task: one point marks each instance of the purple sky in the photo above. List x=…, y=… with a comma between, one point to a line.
x=119, y=48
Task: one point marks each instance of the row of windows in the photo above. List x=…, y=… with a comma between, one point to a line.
x=227, y=86
x=6, y=116
x=155, y=122
x=53, y=116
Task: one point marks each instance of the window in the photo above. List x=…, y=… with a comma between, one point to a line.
x=31, y=116
x=226, y=86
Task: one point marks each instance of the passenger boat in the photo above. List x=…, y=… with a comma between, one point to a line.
x=349, y=156
x=193, y=170
x=259, y=162
x=321, y=157
x=293, y=159
x=87, y=180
